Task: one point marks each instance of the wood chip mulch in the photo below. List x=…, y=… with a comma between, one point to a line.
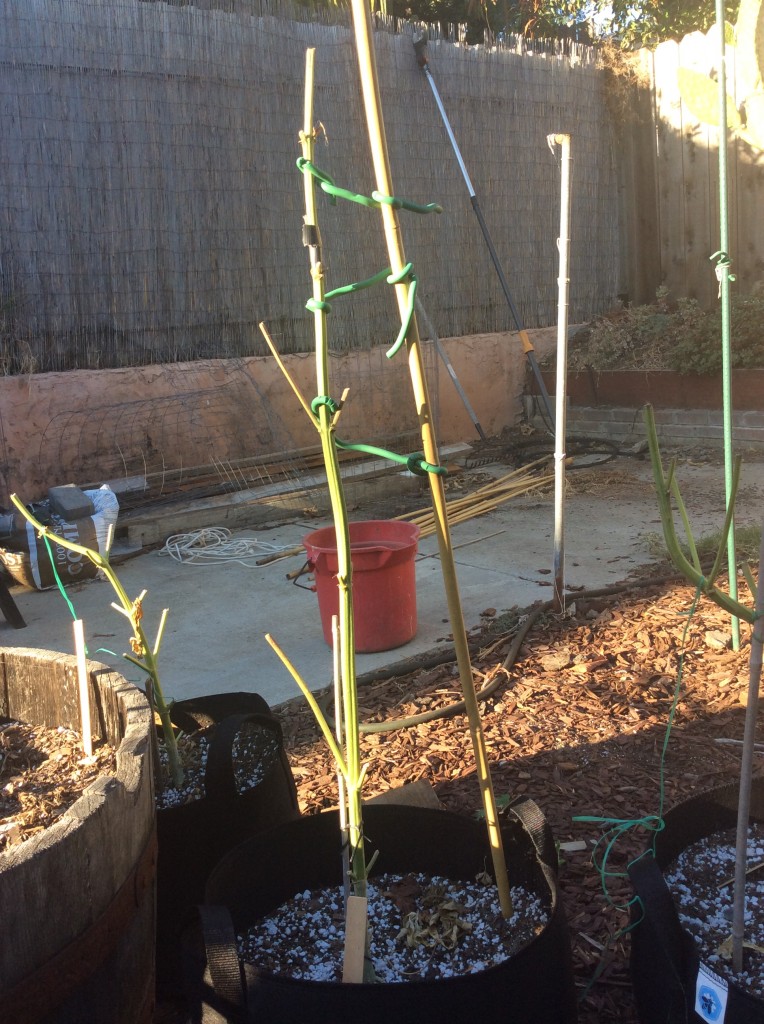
x=42, y=772
x=578, y=723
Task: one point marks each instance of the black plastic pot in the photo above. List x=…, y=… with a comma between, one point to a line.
x=665, y=965
x=536, y=985
x=193, y=837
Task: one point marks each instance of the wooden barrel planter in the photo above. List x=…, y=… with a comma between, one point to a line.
x=77, y=900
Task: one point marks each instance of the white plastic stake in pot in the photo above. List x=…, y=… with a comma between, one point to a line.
x=82, y=679
x=563, y=245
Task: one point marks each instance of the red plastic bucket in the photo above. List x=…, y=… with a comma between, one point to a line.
x=382, y=554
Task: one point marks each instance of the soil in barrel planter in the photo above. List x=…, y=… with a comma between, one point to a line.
x=701, y=882
x=254, y=752
x=421, y=928
x=42, y=773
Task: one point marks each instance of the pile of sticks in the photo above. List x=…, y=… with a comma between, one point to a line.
x=485, y=498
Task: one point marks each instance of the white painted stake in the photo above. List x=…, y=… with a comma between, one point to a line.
x=563, y=245
x=82, y=679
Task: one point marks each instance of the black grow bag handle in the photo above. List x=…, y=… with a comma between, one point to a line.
x=533, y=820
x=219, y=780
x=214, y=987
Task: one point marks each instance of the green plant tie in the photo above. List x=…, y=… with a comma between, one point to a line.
x=414, y=463
x=320, y=400
x=406, y=204
x=722, y=268
x=372, y=202
x=405, y=273
x=618, y=827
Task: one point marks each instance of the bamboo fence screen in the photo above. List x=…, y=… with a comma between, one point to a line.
x=151, y=209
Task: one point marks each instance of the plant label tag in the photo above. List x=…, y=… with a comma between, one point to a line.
x=710, y=995
x=355, y=940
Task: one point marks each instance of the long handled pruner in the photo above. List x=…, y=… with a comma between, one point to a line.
x=420, y=45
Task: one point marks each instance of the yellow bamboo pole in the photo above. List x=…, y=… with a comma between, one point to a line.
x=381, y=162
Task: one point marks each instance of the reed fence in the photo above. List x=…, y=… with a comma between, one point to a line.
x=151, y=209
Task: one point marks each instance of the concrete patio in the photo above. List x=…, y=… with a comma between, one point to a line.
x=214, y=639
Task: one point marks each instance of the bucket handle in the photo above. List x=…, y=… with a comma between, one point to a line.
x=306, y=569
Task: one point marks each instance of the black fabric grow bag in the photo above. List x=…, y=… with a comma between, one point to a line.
x=664, y=960
x=193, y=837
x=536, y=985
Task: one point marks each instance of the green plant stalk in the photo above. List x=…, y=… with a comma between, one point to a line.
x=755, y=616
x=724, y=291
x=133, y=611
x=677, y=556
x=358, y=869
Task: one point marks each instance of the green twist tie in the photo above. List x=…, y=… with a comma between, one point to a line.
x=307, y=167
x=404, y=273
x=357, y=286
x=372, y=202
x=318, y=306
x=417, y=465
x=320, y=400
x=406, y=204
x=333, y=191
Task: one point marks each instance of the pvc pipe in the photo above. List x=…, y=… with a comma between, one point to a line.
x=563, y=245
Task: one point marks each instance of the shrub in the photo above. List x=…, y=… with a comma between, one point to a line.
x=679, y=336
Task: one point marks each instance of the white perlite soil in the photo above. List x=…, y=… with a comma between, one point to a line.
x=421, y=927
x=254, y=752
x=705, y=904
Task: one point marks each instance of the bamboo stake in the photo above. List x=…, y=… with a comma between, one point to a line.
x=290, y=380
x=380, y=159
x=84, y=689
x=746, y=772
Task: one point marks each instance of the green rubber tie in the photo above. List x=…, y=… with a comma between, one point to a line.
x=358, y=286
x=402, y=275
x=372, y=202
x=332, y=190
x=318, y=306
x=406, y=204
x=415, y=463
x=326, y=400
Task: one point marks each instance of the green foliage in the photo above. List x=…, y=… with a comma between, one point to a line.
x=698, y=347
x=631, y=24
x=700, y=92
x=676, y=336
x=701, y=95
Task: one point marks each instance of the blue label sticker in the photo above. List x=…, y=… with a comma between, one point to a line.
x=710, y=995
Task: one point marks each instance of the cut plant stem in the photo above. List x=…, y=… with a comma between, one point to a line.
x=380, y=159
x=146, y=655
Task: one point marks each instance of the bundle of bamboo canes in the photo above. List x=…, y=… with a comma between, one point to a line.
x=485, y=498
